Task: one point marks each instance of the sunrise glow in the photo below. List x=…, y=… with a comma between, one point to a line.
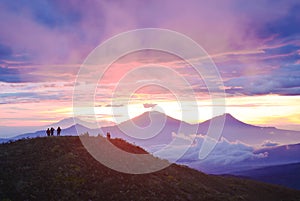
x=260, y=70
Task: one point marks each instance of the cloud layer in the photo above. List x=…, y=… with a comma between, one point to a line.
x=256, y=46
x=225, y=154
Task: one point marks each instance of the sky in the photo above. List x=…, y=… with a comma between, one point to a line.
x=254, y=45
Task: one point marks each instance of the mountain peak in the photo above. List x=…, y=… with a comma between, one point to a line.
x=144, y=119
x=154, y=116
x=228, y=117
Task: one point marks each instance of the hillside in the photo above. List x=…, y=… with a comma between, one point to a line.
x=286, y=175
x=59, y=168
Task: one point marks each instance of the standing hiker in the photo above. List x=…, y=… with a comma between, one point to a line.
x=52, y=131
x=48, y=132
x=108, y=135
x=58, y=131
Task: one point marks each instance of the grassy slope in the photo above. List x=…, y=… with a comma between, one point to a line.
x=59, y=168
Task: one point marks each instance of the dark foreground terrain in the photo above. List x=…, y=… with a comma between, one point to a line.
x=285, y=175
x=59, y=168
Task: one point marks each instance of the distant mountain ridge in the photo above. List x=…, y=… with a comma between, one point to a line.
x=68, y=122
x=7, y=131
x=233, y=130
x=286, y=175
x=236, y=130
x=229, y=120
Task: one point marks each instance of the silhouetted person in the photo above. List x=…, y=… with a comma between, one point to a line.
x=52, y=131
x=58, y=131
x=48, y=132
x=108, y=135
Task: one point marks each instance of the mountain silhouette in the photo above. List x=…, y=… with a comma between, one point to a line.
x=233, y=130
x=236, y=130
x=68, y=122
x=230, y=120
x=162, y=127
x=73, y=130
x=146, y=124
x=145, y=119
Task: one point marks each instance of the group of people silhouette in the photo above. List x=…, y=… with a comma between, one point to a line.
x=50, y=131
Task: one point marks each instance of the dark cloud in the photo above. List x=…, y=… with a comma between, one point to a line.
x=5, y=51
x=14, y=75
x=29, y=97
x=287, y=54
x=286, y=26
x=149, y=105
x=52, y=14
x=289, y=48
x=18, y=94
x=270, y=144
x=10, y=75
x=279, y=18
x=114, y=105
x=283, y=81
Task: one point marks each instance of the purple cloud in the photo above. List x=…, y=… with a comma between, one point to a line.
x=250, y=42
x=270, y=144
x=283, y=81
x=149, y=105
